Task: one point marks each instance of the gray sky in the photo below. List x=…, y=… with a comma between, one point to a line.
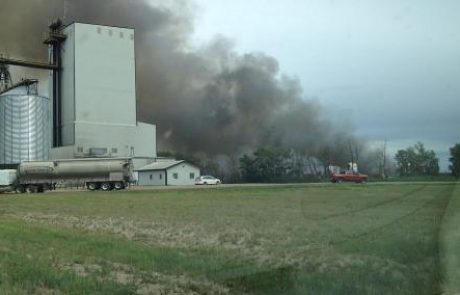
x=392, y=67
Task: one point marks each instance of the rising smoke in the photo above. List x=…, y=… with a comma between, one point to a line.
x=207, y=100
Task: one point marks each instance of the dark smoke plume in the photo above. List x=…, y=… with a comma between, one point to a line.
x=207, y=100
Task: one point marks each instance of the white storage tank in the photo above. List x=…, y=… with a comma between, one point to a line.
x=25, y=125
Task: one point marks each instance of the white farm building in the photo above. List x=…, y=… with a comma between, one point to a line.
x=168, y=172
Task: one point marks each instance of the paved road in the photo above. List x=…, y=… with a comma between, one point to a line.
x=237, y=185
x=249, y=185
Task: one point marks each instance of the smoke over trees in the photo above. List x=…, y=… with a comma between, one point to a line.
x=205, y=100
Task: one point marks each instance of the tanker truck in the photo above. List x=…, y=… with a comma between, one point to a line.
x=39, y=176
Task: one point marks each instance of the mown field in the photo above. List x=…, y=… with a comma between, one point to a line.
x=323, y=239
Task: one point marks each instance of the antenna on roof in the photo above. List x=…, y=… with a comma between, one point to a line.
x=65, y=9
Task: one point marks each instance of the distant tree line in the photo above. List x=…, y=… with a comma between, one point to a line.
x=280, y=165
x=295, y=164
x=417, y=161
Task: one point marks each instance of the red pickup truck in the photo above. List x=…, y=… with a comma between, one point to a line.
x=348, y=176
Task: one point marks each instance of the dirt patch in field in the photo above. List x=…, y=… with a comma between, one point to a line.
x=257, y=249
x=146, y=282
x=46, y=291
x=383, y=267
x=152, y=232
x=81, y=269
x=162, y=233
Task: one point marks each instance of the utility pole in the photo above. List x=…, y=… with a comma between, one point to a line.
x=352, y=157
x=384, y=159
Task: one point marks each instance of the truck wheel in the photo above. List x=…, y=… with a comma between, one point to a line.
x=30, y=189
x=118, y=185
x=91, y=186
x=105, y=186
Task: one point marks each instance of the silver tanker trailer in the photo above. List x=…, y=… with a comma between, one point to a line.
x=38, y=176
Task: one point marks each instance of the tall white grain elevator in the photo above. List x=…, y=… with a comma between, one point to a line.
x=97, y=107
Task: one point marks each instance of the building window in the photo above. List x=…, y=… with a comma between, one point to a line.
x=98, y=151
x=151, y=176
x=99, y=30
x=121, y=35
x=114, y=150
x=110, y=32
x=192, y=175
x=79, y=149
x=175, y=175
x=161, y=176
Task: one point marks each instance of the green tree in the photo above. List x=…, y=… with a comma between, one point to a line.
x=417, y=161
x=248, y=169
x=277, y=165
x=455, y=160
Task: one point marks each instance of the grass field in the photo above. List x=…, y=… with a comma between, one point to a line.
x=326, y=239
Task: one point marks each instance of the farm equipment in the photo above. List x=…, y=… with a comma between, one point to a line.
x=39, y=176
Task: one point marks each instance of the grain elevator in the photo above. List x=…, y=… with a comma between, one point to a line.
x=94, y=95
x=91, y=106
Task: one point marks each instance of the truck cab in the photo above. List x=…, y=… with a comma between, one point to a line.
x=8, y=178
x=348, y=176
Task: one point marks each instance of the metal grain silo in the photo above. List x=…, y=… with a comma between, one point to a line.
x=25, y=131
